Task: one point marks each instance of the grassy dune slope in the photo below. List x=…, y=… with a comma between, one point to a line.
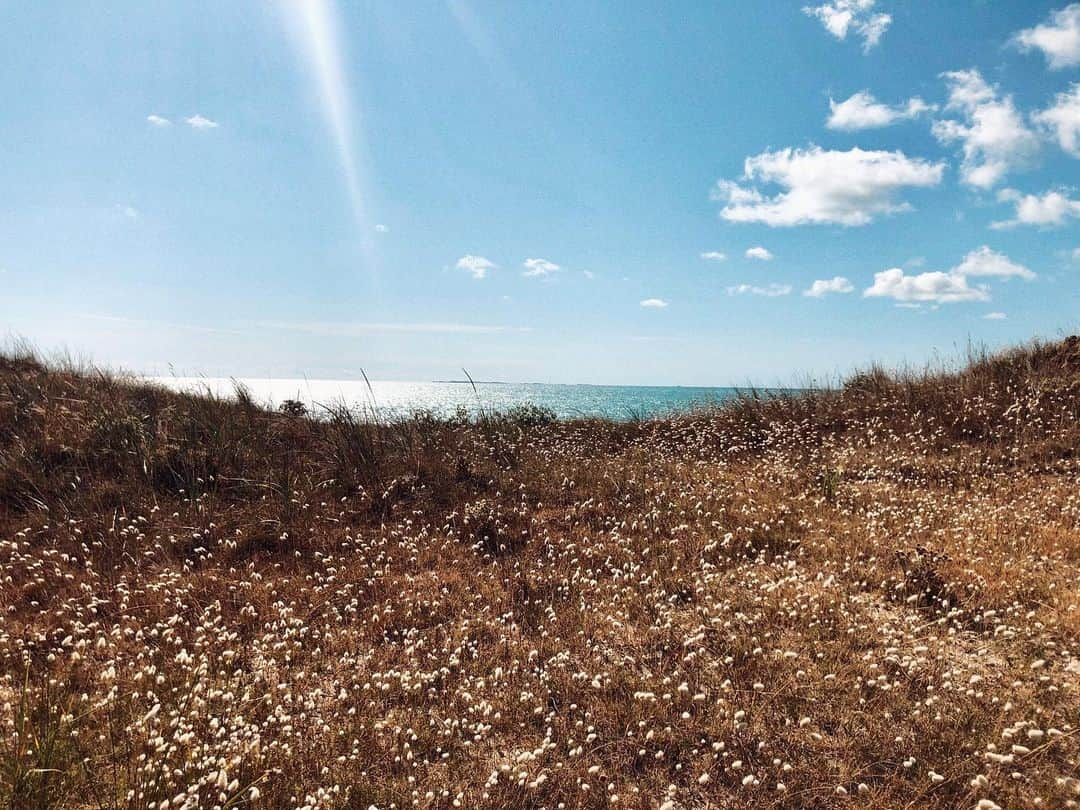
x=867, y=597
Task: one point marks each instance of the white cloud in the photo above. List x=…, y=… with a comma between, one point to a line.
x=985, y=262
x=159, y=121
x=589, y=274
x=654, y=303
x=477, y=265
x=822, y=287
x=935, y=286
x=863, y=111
x=380, y=228
x=714, y=256
x=995, y=140
x=842, y=16
x=772, y=291
x=540, y=267
x=759, y=253
x=1062, y=119
x=1059, y=39
x=356, y=329
x=1051, y=209
x=824, y=187
x=995, y=316
x=198, y=121
x=156, y=325
x=947, y=287
x=128, y=211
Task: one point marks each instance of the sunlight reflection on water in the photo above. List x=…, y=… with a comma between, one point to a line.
x=446, y=398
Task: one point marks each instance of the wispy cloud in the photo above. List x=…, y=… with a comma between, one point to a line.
x=654, y=303
x=1058, y=39
x=128, y=211
x=321, y=328
x=198, y=121
x=760, y=253
x=154, y=325
x=822, y=287
x=823, y=187
x=843, y=16
x=770, y=291
x=380, y=228
x=357, y=328
x=158, y=121
x=714, y=256
x=995, y=316
x=539, y=267
x=478, y=266
x=863, y=111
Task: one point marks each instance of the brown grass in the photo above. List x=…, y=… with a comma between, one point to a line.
x=868, y=596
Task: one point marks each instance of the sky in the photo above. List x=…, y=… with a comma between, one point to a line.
x=685, y=193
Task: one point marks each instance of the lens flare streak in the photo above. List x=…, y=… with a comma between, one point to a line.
x=315, y=29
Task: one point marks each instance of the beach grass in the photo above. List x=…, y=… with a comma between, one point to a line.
x=862, y=596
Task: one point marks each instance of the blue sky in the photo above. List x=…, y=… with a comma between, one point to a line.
x=538, y=191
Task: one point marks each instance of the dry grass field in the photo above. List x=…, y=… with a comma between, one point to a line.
x=862, y=597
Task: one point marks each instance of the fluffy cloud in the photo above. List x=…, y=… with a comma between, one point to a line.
x=1051, y=209
x=772, y=291
x=822, y=287
x=759, y=253
x=934, y=286
x=863, y=111
x=986, y=262
x=198, y=121
x=1062, y=120
x=947, y=287
x=993, y=135
x=539, y=267
x=654, y=303
x=477, y=265
x=714, y=256
x=1059, y=39
x=158, y=121
x=842, y=16
x=824, y=187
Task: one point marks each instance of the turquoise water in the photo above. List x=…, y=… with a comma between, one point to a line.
x=445, y=398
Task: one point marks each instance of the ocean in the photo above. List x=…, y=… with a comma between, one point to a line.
x=392, y=399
